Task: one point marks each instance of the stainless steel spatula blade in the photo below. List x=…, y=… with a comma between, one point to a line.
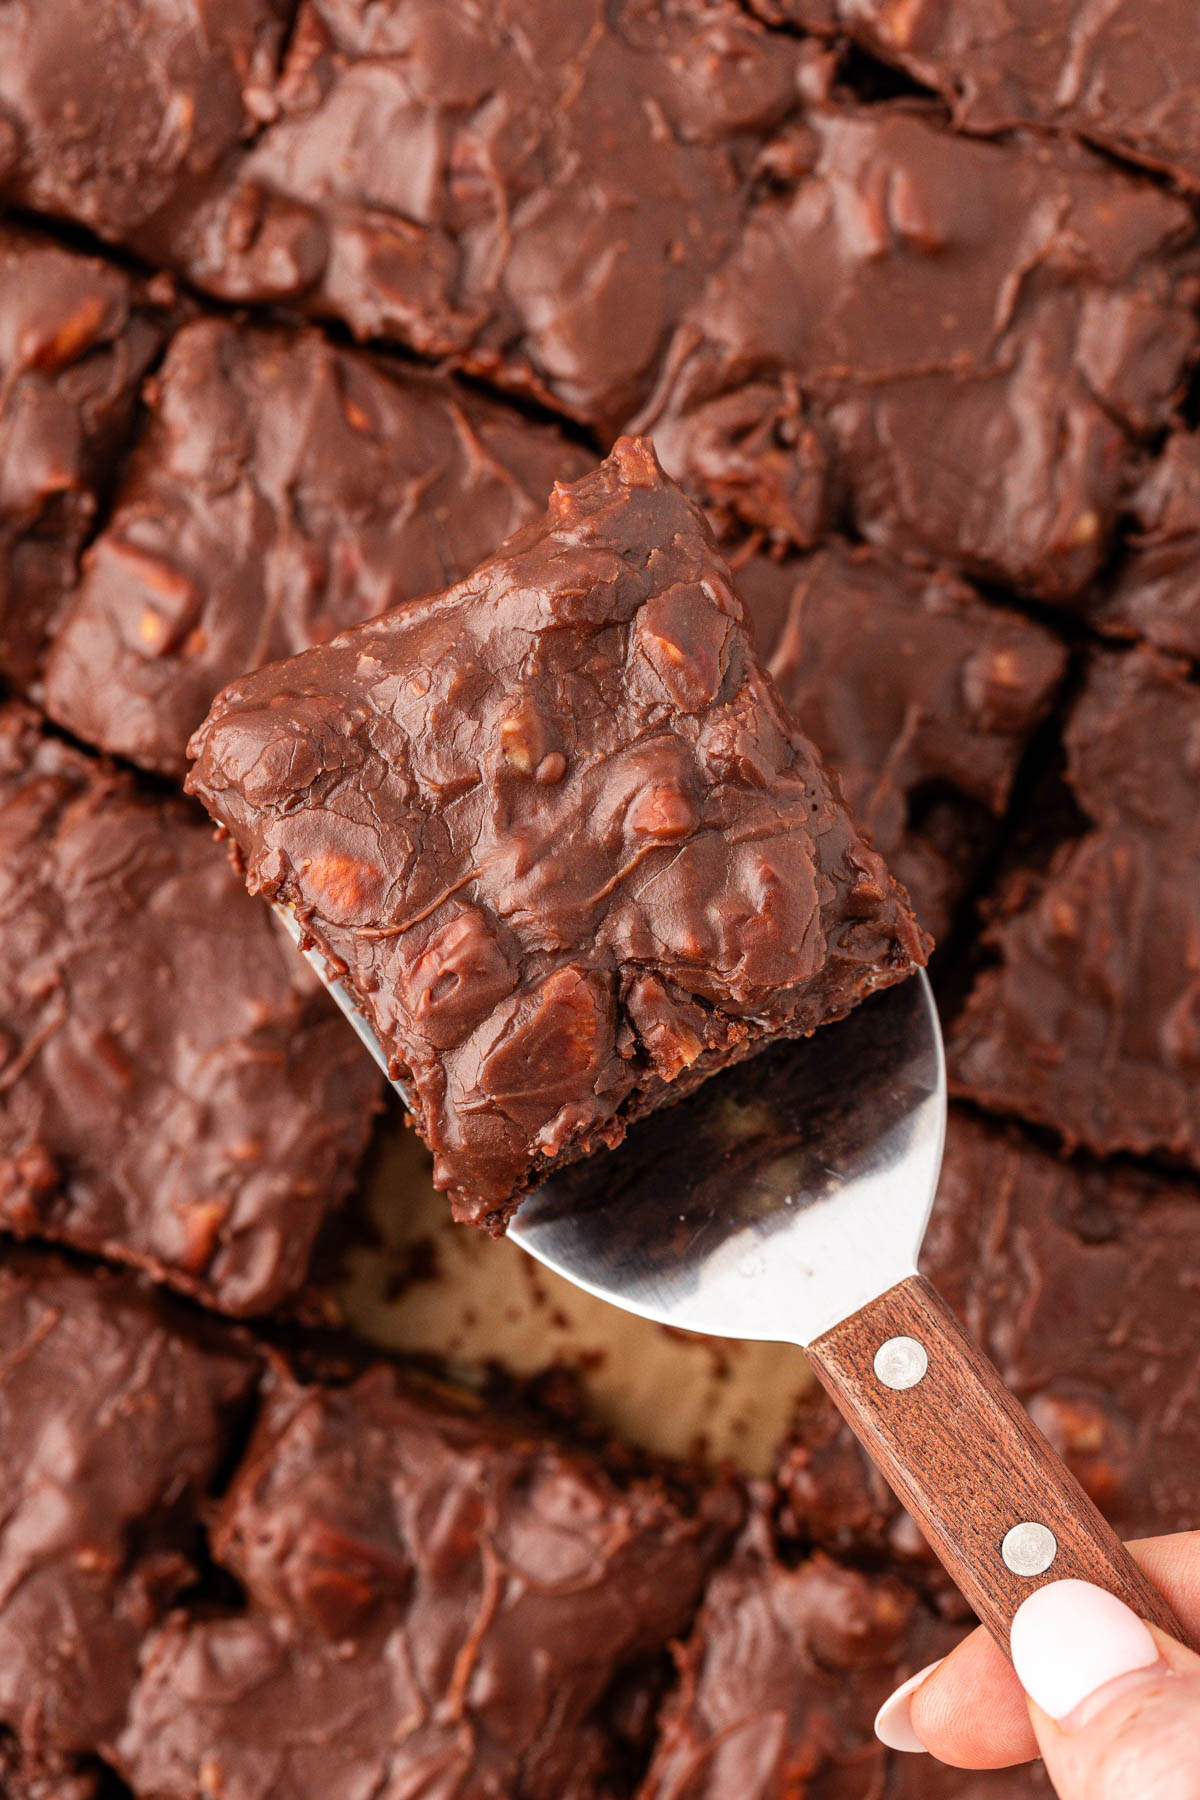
x=778, y=1199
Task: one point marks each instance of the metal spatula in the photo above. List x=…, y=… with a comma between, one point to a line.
x=787, y=1200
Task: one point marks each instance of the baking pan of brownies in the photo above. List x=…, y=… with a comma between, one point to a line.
x=643, y=523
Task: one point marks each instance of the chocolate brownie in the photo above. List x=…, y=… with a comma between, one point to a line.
x=1156, y=591
x=1089, y=1021
x=438, y=1600
x=918, y=692
x=979, y=334
x=1125, y=75
x=558, y=830
x=76, y=337
x=780, y=1681
x=282, y=490
x=1048, y=1262
x=117, y=113
x=116, y=1415
x=139, y=984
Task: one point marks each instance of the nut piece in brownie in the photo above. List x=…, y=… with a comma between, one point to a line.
x=536, y=191
x=1156, y=592
x=281, y=491
x=438, y=1600
x=979, y=333
x=920, y=694
x=780, y=1681
x=560, y=833
x=138, y=982
x=76, y=337
x=117, y=1412
x=1125, y=75
x=1047, y=1262
x=116, y=112
x=1089, y=1021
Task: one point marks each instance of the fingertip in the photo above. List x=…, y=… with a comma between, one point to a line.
x=893, y=1721
x=971, y=1712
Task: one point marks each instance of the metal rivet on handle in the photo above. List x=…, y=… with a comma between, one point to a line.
x=1029, y=1549
x=901, y=1362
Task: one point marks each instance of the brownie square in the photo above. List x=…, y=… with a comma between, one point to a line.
x=1046, y=1261
x=917, y=691
x=1125, y=75
x=439, y=1598
x=117, y=1413
x=282, y=490
x=559, y=832
x=980, y=335
x=781, y=1678
x=176, y=1090
x=1089, y=1020
x=116, y=112
x=76, y=337
x=1155, y=593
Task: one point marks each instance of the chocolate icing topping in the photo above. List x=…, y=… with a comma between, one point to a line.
x=437, y=1603
x=779, y=1683
x=590, y=203
x=116, y=1413
x=282, y=490
x=978, y=333
x=1156, y=592
x=559, y=831
x=1090, y=1021
x=76, y=336
x=116, y=114
x=918, y=692
x=137, y=982
x=449, y=176
x=1125, y=75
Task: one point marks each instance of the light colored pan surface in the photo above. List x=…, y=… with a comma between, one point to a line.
x=434, y=1286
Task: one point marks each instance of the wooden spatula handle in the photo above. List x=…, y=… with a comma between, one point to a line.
x=996, y=1503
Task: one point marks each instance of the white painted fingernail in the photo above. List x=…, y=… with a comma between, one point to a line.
x=1070, y=1639
x=893, y=1721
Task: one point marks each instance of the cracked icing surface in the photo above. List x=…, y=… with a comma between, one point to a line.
x=281, y=491
x=1123, y=73
x=402, y=1559
x=781, y=1678
x=1090, y=1023
x=116, y=1412
x=909, y=683
x=560, y=832
x=1079, y=1281
x=139, y=981
x=975, y=334
x=76, y=336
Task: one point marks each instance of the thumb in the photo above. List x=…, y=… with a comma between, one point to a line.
x=1115, y=1705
